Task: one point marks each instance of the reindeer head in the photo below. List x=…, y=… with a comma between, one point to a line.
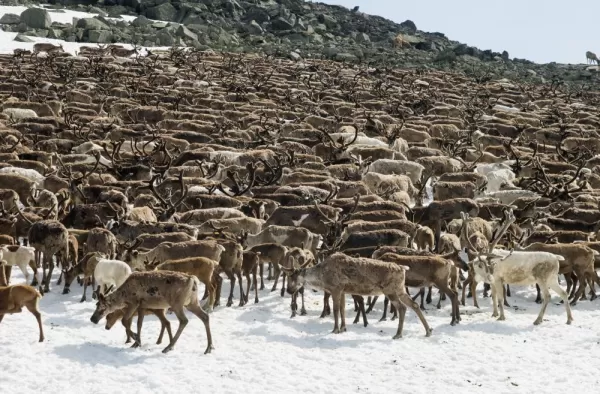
x=105, y=305
x=296, y=275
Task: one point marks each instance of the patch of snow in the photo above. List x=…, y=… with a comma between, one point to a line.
x=258, y=346
x=8, y=45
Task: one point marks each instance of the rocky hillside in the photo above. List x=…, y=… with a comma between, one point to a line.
x=291, y=28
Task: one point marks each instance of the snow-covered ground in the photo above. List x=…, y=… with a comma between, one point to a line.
x=258, y=348
x=7, y=45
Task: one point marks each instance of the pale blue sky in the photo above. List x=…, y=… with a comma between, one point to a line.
x=537, y=30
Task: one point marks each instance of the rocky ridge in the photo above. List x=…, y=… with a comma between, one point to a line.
x=290, y=28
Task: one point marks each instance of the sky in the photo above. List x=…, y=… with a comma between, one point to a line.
x=540, y=31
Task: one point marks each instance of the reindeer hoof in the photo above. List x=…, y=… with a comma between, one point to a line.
x=256, y=300
x=168, y=349
x=302, y=312
x=66, y=290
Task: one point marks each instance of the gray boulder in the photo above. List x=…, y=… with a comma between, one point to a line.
x=254, y=28
x=184, y=32
x=91, y=24
x=36, y=18
x=141, y=21
x=162, y=12
x=409, y=26
x=10, y=19
x=96, y=10
x=362, y=38
x=260, y=15
x=22, y=38
x=55, y=33
x=100, y=36
x=281, y=23
x=327, y=20
x=165, y=38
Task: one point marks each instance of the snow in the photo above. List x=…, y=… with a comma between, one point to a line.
x=7, y=45
x=258, y=347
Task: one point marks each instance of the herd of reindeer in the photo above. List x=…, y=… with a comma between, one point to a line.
x=143, y=176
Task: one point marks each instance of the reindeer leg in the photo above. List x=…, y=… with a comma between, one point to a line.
x=243, y=297
x=183, y=321
x=326, y=308
x=336, y=296
x=247, y=275
x=32, y=306
x=302, y=309
x=37, y=256
x=140, y=321
x=261, y=268
x=538, y=298
x=386, y=301
x=283, y=276
x=428, y=299
x=504, y=296
x=231, y=277
x=371, y=303
x=255, y=281
x=49, y=275
x=218, y=285
x=294, y=304
x=199, y=312
x=277, y=274
x=165, y=324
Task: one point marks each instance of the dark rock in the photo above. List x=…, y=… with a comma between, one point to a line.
x=41, y=33
x=281, y=24
x=186, y=33
x=345, y=57
x=141, y=21
x=328, y=20
x=22, y=38
x=159, y=25
x=96, y=10
x=165, y=38
x=362, y=38
x=505, y=56
x=10, y=19
x=295, y=56
x=409, y=26
x=162, y=12
x=254, y=28
x=91, y=24
x=100, y=36
x=116, y=11
x=260, y=15
x=37, y=18
x=55, y=33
